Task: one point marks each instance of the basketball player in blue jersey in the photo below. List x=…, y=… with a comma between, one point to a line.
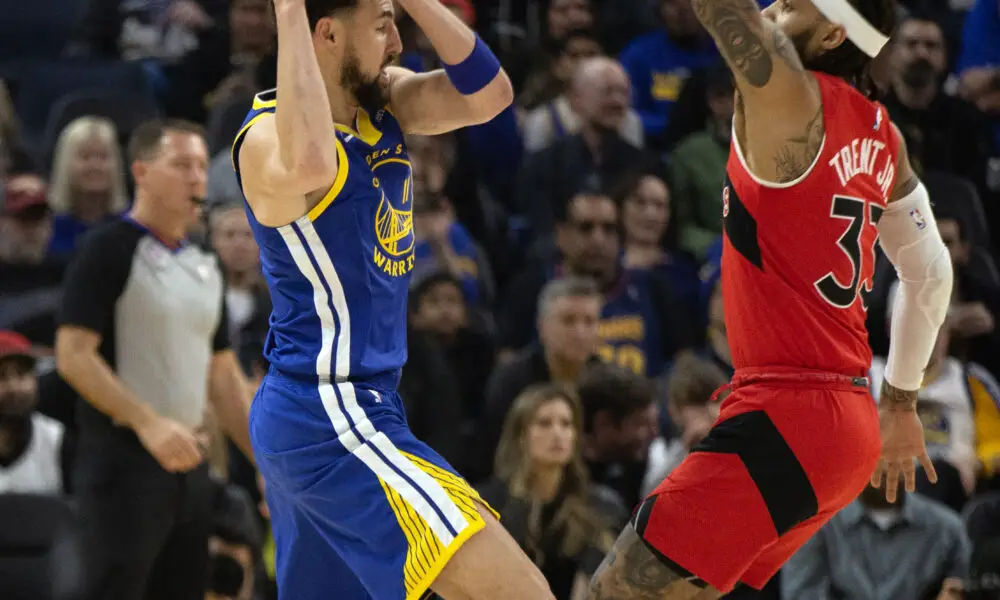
x=359, y=507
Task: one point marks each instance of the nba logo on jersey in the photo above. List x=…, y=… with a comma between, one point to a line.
x=918, y=219
x=725, y=202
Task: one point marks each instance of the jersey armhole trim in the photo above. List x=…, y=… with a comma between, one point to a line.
x=238, y=140
x=338, y=183
x=772, y=184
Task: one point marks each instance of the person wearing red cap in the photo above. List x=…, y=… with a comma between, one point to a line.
x=25, y=220
x=30, y=443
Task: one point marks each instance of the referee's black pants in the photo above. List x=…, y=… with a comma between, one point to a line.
x=146, y=530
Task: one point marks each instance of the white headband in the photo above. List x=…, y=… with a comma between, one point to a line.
x=859, y=31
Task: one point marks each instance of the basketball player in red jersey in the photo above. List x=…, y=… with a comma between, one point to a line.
x=816, y=174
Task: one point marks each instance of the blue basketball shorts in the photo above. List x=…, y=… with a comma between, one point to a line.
x=360, y=509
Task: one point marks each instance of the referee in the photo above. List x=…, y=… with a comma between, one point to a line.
x=143, y=339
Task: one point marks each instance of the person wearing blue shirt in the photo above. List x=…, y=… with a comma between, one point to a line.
x=979, y=63
x=660, y=62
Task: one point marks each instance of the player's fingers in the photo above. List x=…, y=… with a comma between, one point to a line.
x=891, y=482
x=925, y=462
x=876, y=480
x=910, y=475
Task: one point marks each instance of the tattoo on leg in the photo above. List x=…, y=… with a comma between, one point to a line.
x=632, y=572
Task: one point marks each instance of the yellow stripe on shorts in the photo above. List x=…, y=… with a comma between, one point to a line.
x=426, y=556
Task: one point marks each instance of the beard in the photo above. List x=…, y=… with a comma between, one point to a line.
x=368, y=90
x=919, y=74
x=16, y=405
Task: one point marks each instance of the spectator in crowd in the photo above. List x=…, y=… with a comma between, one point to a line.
x=31, y=444
x=223, y=67
x=649, y=233
x=569, y=310
x=246, y=296
x=690, y=388
x=716, y=348
x=942, y=132
x=438, y=310
x=619, y=424
x=87, y=186
x=848, y=558
x=945, y=408
x=543, y=493
x=976, y=295
x=525, y=35
x=234, y=546
x=29, y=279
x=143, y=29
x=555, y=117
x=453, y=235
x=596, y=156
x=442, y=243
x=698, y=168
x=643, y=324
x=546, y=89
x=979, y=64
x=13, y=156
x=143, y=339
x=660, y=62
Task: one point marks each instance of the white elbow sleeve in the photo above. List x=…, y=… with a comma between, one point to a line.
x=909, y=235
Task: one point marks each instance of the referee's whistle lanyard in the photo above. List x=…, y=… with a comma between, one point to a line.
x=172, y=246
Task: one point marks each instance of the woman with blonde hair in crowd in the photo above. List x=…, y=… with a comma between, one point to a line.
x=543, y=493
x=87, y=185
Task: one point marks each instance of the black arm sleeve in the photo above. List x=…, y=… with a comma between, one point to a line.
x=97, y=277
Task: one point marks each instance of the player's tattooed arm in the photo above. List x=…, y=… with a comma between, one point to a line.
x=632, y=572
x=755, y=49
x=797, y=153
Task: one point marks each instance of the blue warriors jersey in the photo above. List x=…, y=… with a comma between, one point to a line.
x=630, y=327
x=338, y=276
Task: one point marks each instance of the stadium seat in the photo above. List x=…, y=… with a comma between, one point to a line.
x=41, y=555
x=127, y=109
x=50, y=82
x=37, y=29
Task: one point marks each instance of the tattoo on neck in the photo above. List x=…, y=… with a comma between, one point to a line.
x=893, y=397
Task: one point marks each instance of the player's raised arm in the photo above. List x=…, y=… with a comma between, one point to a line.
x=293, y=153
x=471, y=89
x=909, y=235
x=767, y=68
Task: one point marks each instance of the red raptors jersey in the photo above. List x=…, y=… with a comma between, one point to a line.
x=798, y=257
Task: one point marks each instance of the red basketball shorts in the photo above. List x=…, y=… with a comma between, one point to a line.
x=789, y=450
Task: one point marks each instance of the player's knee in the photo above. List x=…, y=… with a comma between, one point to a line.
x=490, y=564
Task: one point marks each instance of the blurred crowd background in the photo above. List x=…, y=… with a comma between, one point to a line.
x=565, y=322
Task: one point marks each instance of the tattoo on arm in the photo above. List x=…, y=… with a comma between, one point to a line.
x=896, y=398
x=632, y=572
x=743, y=39
x=797, y=153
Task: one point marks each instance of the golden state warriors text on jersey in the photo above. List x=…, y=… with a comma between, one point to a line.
x=339, y=275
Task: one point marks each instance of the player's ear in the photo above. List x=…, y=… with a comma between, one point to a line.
x=833, y=35
x=327, y=31
x=139, y=168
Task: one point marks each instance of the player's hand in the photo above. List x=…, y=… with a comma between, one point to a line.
x=902, y=442
x=190, y=14
x=173, y=445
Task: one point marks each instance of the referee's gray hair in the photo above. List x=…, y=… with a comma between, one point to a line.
x=565, y=287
